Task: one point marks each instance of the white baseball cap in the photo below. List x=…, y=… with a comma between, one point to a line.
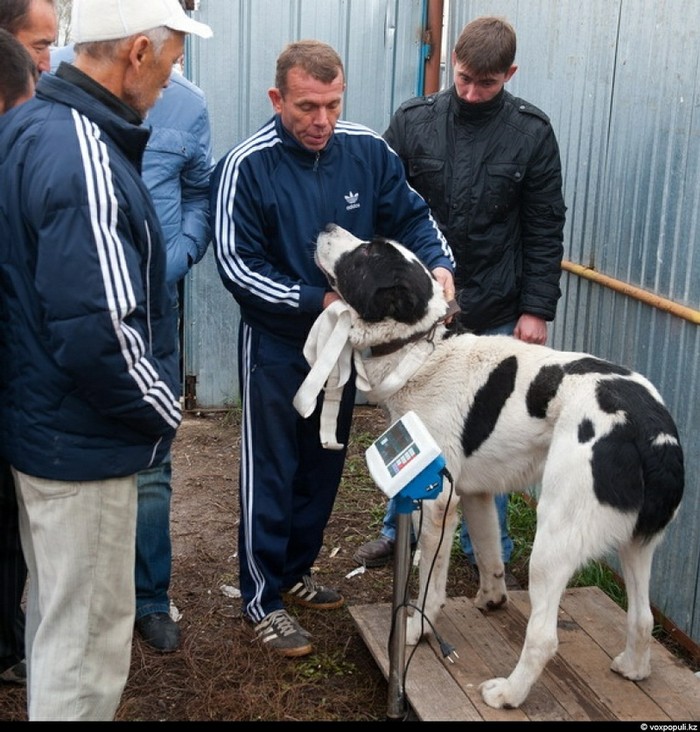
x=108, y=20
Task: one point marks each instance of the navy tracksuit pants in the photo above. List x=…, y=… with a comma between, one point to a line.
x=288, y=481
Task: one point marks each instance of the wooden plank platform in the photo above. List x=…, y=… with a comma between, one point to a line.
x=577, y=684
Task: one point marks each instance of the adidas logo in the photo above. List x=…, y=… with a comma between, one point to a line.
x=351, y=200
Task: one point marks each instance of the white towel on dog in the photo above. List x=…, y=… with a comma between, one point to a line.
x=329, y=353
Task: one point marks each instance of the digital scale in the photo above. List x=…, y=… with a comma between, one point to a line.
x=406, y=462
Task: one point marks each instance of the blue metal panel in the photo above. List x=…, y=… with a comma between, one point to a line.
x=379, y=41
x=620, y=81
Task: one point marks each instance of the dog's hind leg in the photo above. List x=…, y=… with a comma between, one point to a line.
x=552, y=562
x=479, y=511
x=634, y=662
x=437, y=529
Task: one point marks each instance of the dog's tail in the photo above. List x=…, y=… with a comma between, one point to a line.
x=647, y=448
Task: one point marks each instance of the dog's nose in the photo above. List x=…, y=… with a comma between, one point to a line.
x=330, y=228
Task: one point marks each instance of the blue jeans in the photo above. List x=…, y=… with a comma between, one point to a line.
x=389, y=522
x=389, y=529
x=153, y=548
x=506, y=542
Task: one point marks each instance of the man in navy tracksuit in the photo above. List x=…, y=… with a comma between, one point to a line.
x=271, y=196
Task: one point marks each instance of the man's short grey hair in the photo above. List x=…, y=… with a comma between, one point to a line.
x=109, y=50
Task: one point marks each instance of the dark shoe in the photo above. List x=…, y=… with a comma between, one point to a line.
x=375, y=553
x=16, y=674
x=308, y=593
x=160, y=631
x=280, y=632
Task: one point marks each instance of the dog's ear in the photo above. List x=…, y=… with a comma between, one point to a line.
x=380, y=282
x=401, y=290
x=398, y=301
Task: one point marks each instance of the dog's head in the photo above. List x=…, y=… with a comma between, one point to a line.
x=392, y=292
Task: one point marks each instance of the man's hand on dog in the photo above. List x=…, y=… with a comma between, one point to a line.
x=446, y=279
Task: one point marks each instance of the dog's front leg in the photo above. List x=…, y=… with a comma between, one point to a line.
x=436, y=531
x=482, y=521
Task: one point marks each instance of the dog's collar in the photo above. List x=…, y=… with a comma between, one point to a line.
x=384, y=349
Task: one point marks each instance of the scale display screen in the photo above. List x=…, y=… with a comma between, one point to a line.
x=401, y=453
x=397, y=448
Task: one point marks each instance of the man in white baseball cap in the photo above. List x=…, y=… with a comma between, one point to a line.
x=82, y=261
x=107, y=20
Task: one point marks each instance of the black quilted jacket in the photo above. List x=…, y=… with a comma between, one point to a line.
x=497, y=196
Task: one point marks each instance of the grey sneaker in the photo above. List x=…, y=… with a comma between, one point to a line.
x=308, y=593
x=280, y=632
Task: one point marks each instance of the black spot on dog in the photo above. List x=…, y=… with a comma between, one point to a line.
x=638, y=465
x=488, y=404
x=586, y=431
x=542, y=390
x=392, y=287
x=545, y=385
x=591, y=365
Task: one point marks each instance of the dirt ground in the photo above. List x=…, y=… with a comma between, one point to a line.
x=221, y=673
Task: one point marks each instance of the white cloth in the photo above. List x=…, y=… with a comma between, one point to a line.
x=330, y=354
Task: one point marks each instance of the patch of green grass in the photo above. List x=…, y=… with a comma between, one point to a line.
x=522, y=521
x=324, y=666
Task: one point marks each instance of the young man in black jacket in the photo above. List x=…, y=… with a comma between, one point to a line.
x=488, y=165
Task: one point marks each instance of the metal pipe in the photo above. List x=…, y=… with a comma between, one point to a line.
x=636, y=293
x=433, y=37
x=396, y=703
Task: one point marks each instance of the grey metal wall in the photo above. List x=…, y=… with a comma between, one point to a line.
x=620, y=81
x=379, y=42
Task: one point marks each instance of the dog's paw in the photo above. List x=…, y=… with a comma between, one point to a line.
x=486, y=601
x=633, y=671
x=497, y=693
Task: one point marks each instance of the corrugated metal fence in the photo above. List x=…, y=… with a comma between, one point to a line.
x=620, y=80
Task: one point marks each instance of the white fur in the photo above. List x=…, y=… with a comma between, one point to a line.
x=573, y=527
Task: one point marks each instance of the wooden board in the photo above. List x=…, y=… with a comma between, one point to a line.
x=577, y=684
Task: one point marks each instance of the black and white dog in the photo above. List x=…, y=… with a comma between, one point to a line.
x=508, y=415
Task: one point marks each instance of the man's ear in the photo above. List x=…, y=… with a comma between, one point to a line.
x=275, y=98
x=510, y=73
x=140, y=48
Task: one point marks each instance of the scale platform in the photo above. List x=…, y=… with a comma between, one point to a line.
x=577, y=684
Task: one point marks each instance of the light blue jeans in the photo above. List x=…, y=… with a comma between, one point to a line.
x=389, y=522
x=389, y=529
x=153, y=547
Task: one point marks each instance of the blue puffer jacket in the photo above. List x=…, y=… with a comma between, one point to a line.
x=176, y=168
x=88, y=341
x=271, y=198
x=177, y=165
